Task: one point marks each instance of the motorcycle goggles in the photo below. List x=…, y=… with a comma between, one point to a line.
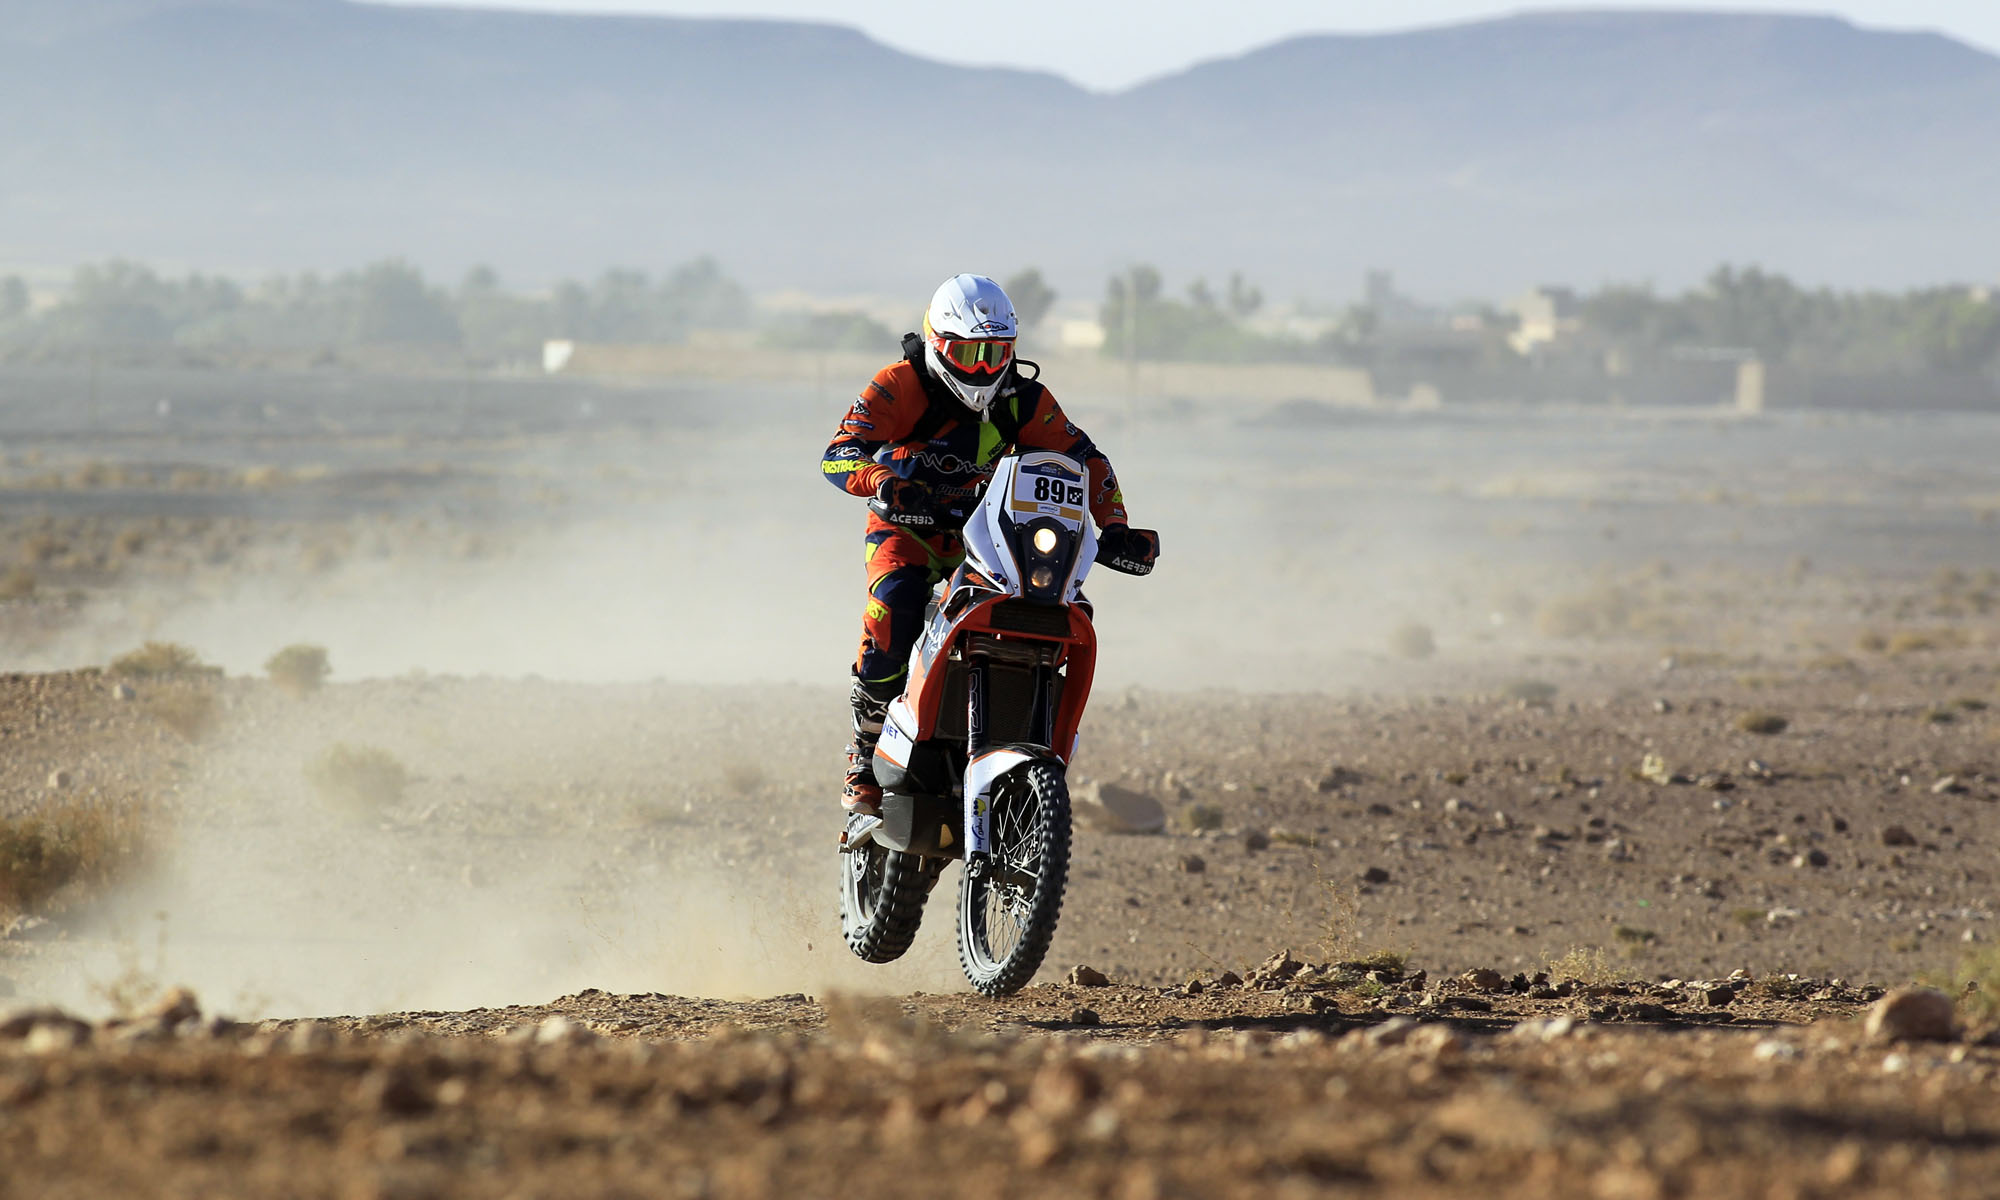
x=974, y=358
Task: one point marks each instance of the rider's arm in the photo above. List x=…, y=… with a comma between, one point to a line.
x=885, y=412
x=1048, y=429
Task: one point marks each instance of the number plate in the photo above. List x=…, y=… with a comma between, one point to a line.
x=1047, y=489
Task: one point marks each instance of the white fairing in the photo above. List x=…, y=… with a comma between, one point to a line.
x=980, y=775
x=895, y=743
x=1011, y=498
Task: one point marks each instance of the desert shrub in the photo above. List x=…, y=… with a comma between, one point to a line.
x=1871, y=642
x=17, y=584
x=1583, y=964
x=1976, y=983
x=744, y=778
x=1940, y=716
x=1201, y=816
x=298, y=669
x=1530, y=691
x=45, y=851
x=364, y=779
x=1919, y=641
x=1593, y=614
x=161, y=660
x=190, y=712
x=39, y=548
x=1759, y=721
x=1413, y=641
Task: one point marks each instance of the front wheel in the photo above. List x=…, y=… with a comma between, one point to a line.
x=1007, y=910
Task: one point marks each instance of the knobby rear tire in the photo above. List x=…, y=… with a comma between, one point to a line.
x=882, y=898
x=1043, y=786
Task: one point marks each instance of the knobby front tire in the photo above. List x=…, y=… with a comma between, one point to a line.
x=1007, y=917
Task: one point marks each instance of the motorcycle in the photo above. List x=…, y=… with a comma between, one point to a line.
x=973, y=755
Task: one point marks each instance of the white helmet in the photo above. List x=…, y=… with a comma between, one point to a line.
x=969, y=339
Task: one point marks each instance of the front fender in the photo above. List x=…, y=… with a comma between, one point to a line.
x=980, y=775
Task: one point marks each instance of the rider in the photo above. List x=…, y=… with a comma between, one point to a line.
x=920, y=443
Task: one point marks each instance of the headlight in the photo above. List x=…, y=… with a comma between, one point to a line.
x=1041, y=577
x=1045, y=540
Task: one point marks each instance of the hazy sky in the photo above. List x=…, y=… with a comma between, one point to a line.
x=1109, y=45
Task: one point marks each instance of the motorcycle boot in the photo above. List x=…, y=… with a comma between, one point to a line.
x=870, y=701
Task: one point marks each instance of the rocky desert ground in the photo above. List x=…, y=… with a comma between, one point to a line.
x=1551, y=799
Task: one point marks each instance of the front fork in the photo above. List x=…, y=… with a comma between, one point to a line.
x=978, y=744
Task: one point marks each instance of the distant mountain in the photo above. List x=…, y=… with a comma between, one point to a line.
x=252, y=134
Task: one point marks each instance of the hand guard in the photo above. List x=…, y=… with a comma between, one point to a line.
x=1132, y=551
x=900, y=502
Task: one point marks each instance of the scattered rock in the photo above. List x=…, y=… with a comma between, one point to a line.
x=1896, y=835
x=1375, y=875
x=397, y=1092
x=124, y=691
x=1912, y=1015
x=1438, y=1042
x=1654, y=769
x=1339, y=777
x=1111, y=808
x=1256, y=840
x=561, y=1031
x=1948, y=785
x=1277, y=969
x=1766, y=724
x=1392, y=1032
x=1775, y=1051
x=54, y=1037
x=1193, y=864
x=308, y=1036
x=1229, y=979
x=1083, y=1016
x=1082, y=976
x=1543, y=1029
x=172, y=1007
x=59, y=780
x=18, y=1023
x=1718, y=996
x=1484, y=979
x=1061, y=1088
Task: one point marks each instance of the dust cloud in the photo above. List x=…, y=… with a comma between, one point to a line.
x=669, y=827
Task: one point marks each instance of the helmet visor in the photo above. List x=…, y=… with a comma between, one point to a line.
x=975, y=358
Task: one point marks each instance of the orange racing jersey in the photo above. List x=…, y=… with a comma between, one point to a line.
x=901, y=427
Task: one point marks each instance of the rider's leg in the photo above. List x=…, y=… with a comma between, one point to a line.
x=900, y=578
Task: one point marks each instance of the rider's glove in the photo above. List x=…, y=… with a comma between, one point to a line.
x=1132, y=551
x=901, y=502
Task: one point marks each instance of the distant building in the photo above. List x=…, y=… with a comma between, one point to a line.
x=1546, y=313
x=1393, y=309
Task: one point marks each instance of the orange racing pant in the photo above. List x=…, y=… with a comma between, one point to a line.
x=903, y=570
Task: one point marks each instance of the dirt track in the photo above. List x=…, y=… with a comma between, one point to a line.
x=1175, y=1081
x=1303, y=1089
x=1605, y=590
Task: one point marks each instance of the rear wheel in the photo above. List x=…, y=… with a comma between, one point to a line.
x=882, y=896
x=1007, y=911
